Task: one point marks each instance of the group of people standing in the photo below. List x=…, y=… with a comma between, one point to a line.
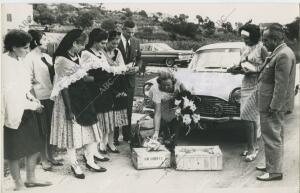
x=267, y=94
x=83, y=95
x=79, y=98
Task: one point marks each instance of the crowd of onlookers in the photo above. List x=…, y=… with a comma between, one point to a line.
x=82, y=96
x=79, y=98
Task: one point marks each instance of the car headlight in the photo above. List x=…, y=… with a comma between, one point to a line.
x=235, y=96
x=146, y=88
x=180, y=57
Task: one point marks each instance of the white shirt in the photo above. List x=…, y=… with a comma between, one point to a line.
x=124, y=41
x=39, y=74
x=119, y=58
x=165, y=99
x=16, y=85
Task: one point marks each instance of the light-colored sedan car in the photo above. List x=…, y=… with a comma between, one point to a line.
x=207, y=78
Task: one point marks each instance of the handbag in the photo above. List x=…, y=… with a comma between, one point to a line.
x=144, y=129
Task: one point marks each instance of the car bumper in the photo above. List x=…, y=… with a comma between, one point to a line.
x=206, y=119
x=182, y=60
x=220, y=119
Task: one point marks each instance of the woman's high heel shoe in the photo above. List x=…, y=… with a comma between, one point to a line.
x=112, y=150
x=55, y=162
x=77, y=171
x=104, y=159
x=103, y=151
x=100, y=169
x=251, y=157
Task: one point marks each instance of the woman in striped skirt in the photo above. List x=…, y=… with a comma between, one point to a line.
x=100, y=82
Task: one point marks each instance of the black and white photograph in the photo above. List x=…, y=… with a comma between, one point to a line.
x=150, y=97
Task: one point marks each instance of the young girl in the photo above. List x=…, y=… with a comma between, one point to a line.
x=74, y=120
x=101, y=80
x=120, y=96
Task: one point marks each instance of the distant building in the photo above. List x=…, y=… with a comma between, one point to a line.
x=16, y=16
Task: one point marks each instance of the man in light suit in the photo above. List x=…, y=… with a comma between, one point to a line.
x=130, y=49
x=275, y=93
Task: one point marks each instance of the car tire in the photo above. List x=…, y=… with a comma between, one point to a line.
x=170, y=62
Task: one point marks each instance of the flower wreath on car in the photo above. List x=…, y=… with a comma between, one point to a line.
x=186, y=110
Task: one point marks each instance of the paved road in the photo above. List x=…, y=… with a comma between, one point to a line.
x=236, y=176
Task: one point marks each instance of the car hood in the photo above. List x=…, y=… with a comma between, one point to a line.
x=183, y=52
x=210, y=83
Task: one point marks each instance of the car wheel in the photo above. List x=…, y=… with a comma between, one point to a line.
x=170, y=62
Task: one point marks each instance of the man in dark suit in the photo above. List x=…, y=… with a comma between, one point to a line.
x=130, y=49
x=275, y=93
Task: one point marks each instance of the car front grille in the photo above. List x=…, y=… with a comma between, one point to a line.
x=215, y=107
x=209, y=106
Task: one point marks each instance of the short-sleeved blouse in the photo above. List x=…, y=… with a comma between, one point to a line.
x=165, y=99
x=254, y=56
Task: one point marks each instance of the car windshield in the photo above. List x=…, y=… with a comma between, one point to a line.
x=220, y=58
x=161, y=47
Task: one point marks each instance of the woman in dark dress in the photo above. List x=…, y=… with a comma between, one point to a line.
x=101, y=79
x=119, y=87
x=74, y=119
x=21, y=134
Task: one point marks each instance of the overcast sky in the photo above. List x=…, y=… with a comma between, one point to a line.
x=242, y=12
x=282, y=11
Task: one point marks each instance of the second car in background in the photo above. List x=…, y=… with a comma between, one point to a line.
x=163, y=54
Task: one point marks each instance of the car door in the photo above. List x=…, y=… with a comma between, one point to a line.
x=147, y=53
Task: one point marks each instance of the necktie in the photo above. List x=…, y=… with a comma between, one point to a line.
x=127, y=50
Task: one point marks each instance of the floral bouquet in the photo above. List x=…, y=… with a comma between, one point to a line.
x=186, y=110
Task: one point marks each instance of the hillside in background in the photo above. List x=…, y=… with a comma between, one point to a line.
x=151, y=27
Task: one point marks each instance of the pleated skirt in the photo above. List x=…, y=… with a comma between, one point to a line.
x=68, y=134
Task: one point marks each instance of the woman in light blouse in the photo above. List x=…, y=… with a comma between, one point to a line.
x=42, y=72
x=21, y=134
x=100, y=83
x=162, y=93
x=74, y=120
x=119, y=86
x=253, y=55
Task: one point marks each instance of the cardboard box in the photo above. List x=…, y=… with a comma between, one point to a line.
x=143, y=159
x=198, y=158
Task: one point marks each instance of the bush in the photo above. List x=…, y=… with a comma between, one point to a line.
x=154, y=36
x=143, y=13
x=108, y=24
